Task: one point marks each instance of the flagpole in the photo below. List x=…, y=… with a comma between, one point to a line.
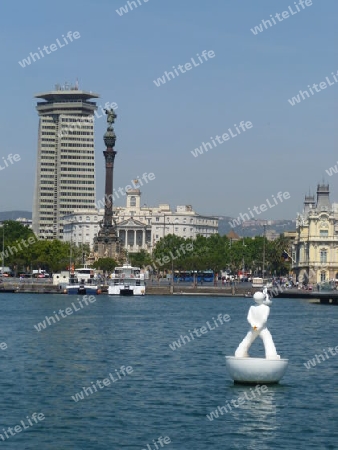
x=3, y=249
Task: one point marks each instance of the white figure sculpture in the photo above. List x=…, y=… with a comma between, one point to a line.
x=257, y=318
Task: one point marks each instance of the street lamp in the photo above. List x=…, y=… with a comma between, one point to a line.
x=264, y=227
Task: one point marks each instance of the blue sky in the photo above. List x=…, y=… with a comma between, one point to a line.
x=250, y=78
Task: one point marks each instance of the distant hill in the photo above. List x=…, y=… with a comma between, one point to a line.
x=13, y=215
x=255, y=228
x=251, y=229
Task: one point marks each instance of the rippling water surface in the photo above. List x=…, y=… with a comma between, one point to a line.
x=169, y=393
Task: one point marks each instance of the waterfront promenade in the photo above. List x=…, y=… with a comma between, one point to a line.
x=163, y=287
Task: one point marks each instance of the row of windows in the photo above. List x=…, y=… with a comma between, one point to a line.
x=77, y=139
x=80, y=200
x=65, y=164
x=81, y=152
x=77, y=194
x=76, y=119
x=69, y=145
x=176, y=219
x=75, y=227
x=63, y=182
x=79, y=133
x=70, y=130
x=65, y=169
x=76, y=123
x=87, y=157
x=176, y=229
x=70, y=175
x=76, y=188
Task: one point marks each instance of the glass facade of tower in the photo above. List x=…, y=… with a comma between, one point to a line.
x=65, y=177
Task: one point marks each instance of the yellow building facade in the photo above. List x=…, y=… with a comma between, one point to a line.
x=315, y=248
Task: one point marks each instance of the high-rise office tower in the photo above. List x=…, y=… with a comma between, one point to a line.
x=65, y=176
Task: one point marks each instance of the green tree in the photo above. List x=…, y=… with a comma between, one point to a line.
x=16, y=243
x=140, y=259
x=105, y=264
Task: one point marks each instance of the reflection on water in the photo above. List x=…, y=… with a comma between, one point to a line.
x=257, y=418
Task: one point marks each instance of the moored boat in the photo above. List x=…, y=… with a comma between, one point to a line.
x=127, y=281
x=82, y=282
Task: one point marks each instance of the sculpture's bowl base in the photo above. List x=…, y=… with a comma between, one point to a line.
x=256, y=370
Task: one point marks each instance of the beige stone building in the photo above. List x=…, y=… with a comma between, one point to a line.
x=140, y=227
x=315, y=248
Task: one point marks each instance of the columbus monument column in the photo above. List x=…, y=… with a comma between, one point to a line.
x=106, y=244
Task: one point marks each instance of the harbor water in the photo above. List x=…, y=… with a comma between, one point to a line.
x=115, y=373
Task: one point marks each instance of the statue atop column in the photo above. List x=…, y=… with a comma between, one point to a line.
x=111, y=116
x=107, y=243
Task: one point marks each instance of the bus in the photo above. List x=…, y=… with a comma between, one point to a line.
x=185, y=276
x=189, y=276
x=206, y=276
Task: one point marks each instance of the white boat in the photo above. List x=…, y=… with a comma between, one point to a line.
x=127, y=280
x=76, y=287
x=82, y=282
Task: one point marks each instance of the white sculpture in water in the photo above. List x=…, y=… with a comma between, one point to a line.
x=257, y=318
x=244, y=369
